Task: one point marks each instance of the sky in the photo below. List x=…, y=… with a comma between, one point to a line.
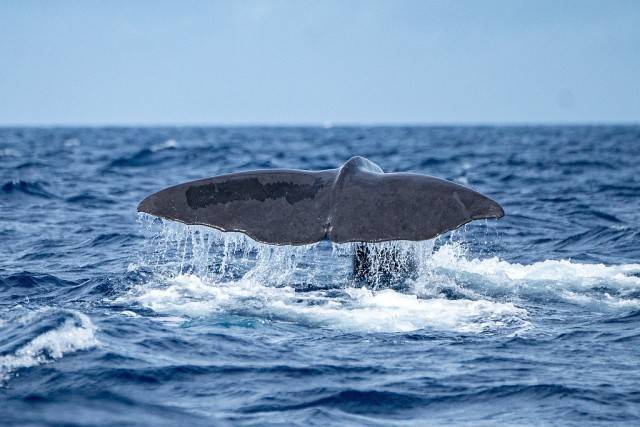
x=313, y=62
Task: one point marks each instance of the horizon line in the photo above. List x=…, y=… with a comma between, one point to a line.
x=323, y=124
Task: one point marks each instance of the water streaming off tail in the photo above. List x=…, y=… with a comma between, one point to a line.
x=176, y=249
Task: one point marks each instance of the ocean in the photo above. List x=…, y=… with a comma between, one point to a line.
x=108, y=317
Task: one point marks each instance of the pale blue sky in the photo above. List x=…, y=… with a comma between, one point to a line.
x=279, y=62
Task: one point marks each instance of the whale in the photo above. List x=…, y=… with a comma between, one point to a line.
x=356, y=202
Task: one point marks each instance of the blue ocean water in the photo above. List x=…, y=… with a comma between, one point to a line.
x=110, y=318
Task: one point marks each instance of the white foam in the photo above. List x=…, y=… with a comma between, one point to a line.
x=549, y=270
x=577, y=283
x=358, y=309
x=391, y=311
x=75, y=334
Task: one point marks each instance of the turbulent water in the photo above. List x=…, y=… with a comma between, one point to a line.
x=110, y=318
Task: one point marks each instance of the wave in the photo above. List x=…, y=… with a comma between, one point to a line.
x=106, y=239
x=623, y=190
x=89, y=200
x=563, y=271
x=28, y=285
x=598, y=287
x=393, y=404
x=73, y=331
x=144, y=157
x=30, y=188
x=365, y=402
x=169, y=144
x=31, y=165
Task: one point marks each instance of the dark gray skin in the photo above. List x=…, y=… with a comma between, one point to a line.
x=357, y=202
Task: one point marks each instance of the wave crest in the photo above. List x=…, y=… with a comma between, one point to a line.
x=75, y=333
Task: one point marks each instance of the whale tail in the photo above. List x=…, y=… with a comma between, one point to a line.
x=354, y=203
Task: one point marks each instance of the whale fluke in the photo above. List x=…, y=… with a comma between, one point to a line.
x=357, y=202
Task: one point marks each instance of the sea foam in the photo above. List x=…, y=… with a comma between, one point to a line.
x=76, y=333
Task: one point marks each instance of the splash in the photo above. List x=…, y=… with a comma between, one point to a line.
x=175, y=249
x=198, y=272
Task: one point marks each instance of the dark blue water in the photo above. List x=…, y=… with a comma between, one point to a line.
x=107, y=318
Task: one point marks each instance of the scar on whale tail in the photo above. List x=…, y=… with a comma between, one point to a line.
x=356, y=202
